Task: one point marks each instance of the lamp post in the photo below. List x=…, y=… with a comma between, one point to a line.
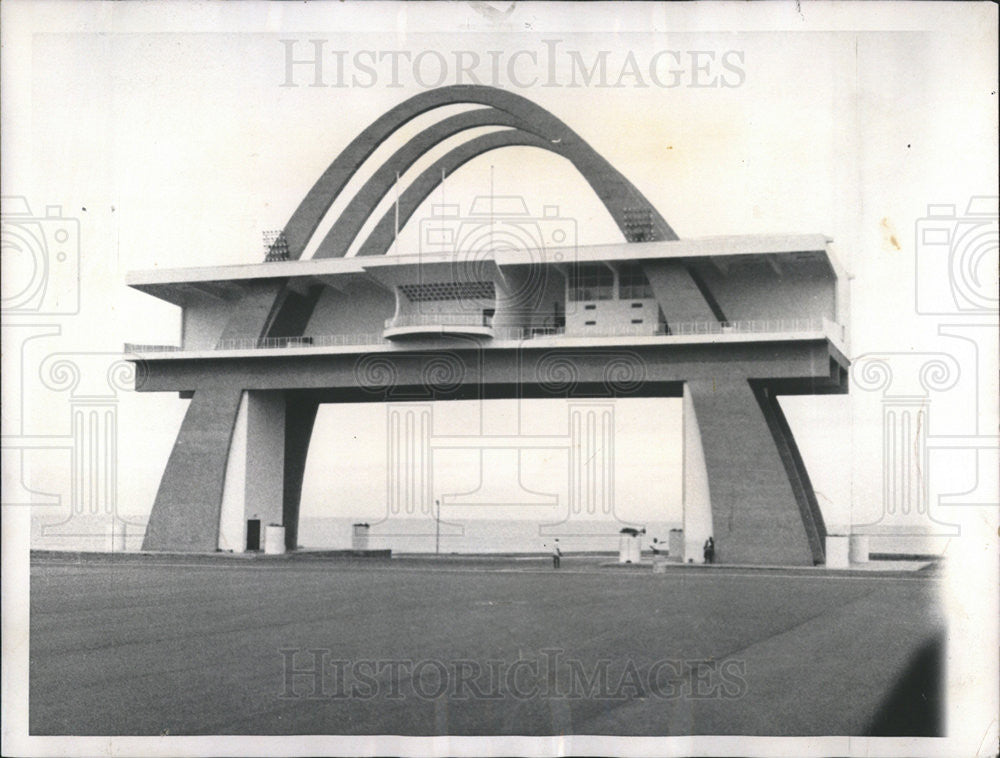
x=437, y=529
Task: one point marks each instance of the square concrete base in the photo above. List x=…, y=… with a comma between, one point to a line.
x=859, y=548
x=838, y=551
x=274, y=540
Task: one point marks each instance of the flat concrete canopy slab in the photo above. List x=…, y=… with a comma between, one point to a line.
x=175, y=285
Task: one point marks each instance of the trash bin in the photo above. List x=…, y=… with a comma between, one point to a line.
x=359, y=537
x=837, y=551
x=274, y=539
x=859, y=548
x=630, y=545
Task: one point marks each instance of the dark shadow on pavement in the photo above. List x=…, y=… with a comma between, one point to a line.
x=915, y=707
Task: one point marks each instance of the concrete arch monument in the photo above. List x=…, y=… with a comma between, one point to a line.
x=726, y=323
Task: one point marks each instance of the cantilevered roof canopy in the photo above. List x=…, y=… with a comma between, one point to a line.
x=225, y=282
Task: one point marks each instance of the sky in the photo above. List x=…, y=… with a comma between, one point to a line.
x=180, y=146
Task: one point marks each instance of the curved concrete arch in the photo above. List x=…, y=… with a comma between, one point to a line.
x=381, y=237
x=310, y=212
x=750, y=461
x=194, y=473
x=349, y=223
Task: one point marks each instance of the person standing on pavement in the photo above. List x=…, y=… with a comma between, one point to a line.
x=556, y=554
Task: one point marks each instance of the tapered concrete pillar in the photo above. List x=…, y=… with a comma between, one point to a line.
x=757, y=517
x=232, y=514
x=678, y=294
x=185, y=515
x=227, y=467
x=695, y=493
x=300, y=417
x=255, y=471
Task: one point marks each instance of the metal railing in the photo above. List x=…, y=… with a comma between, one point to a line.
x=320, y=340
x=839, y=331
x=520, y=333
x=132, y=347
x=439, y=319
x=746, y=326
x=681, y=329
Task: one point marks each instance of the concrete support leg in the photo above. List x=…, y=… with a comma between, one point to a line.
x=240, y=456
x=678, y=293
x=300, y=416
x=696, y=498
x=232, y=516
x=756, y=516
x=265, y=481
x=795, y=467
x=255, y=471
x=185, y=515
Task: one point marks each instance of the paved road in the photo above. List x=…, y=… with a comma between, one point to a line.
x=207, y=647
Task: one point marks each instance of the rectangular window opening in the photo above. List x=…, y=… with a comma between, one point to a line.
x=633, y=284
x=591, y=282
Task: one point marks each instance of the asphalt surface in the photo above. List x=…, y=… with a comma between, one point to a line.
x=170, y=645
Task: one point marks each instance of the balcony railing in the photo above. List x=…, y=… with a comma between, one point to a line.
x=519, y=333
x=320, y=340
x=132, y=347
x=439, y=319
x=747, y=326
x=680, y=329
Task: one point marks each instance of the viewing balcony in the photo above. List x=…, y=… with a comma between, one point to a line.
x=432, y=324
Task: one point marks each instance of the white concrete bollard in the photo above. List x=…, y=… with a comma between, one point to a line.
x=837, y=551
x=274, y=540
x=359, y=537
x=629, y=546
x=859, y=548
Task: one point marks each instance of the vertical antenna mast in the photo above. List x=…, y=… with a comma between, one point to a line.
x=395, y=239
